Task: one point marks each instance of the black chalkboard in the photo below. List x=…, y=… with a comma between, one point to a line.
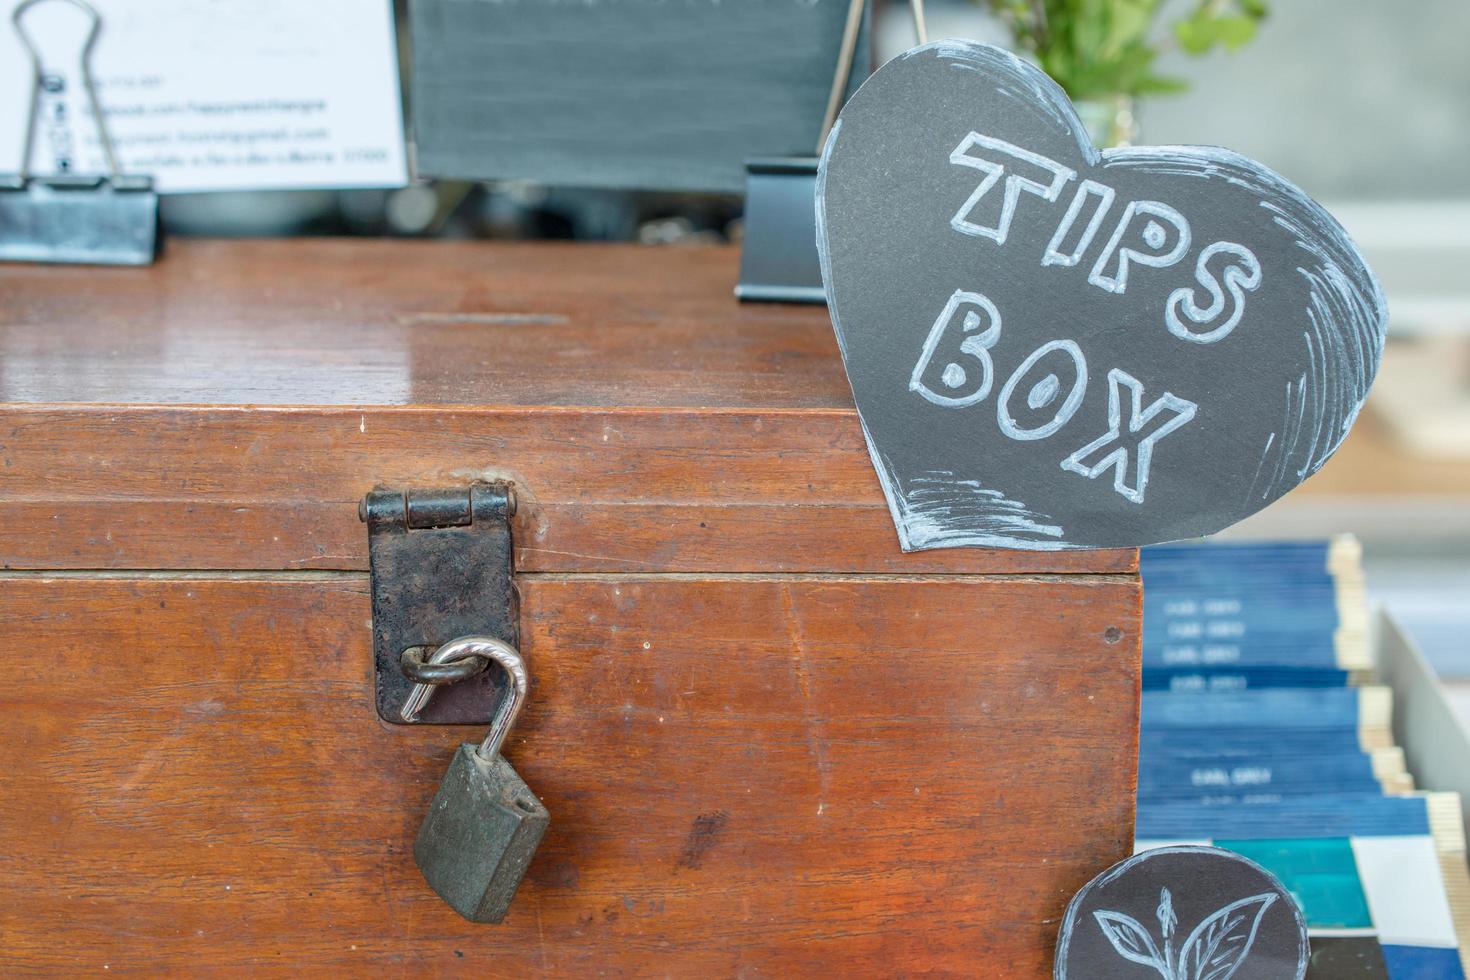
x=653, y=94
x=1183, y=913
x=1055, y=347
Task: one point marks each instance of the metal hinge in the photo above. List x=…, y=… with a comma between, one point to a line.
x=441, y=568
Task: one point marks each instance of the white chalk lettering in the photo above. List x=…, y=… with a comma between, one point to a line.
x=1022, y=165
x=1242, y=272
x=955, y=368
x=1148, y=234
x=1088, y=189
x=1133, y=439
x=1044, y=391
x=1146, y=224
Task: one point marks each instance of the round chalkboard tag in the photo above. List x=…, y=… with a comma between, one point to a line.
x=1183, y=913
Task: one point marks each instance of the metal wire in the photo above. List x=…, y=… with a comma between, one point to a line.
x=848, y=50
x=102, y=135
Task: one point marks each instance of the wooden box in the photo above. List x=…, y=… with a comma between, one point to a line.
x=771, y=743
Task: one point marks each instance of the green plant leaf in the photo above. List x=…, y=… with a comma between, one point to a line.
x=1128, y=25
x=1194, y=34
x=1100, y=48
x=1235, y=32
x=1161, y=85
x=1207, y=27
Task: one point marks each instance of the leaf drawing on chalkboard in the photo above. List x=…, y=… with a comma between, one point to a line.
x=1213, y=951
x=1131, y=940
x=1167, y=919
x=1218, y=945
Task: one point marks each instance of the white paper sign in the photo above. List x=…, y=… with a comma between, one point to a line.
x=210, y=95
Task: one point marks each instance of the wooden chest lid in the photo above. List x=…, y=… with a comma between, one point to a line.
x=228, y=407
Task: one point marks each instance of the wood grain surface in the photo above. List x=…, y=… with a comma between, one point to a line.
x=747, y=775
x=374, y=323
x=228, y=407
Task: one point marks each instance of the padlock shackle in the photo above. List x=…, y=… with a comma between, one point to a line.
x=514, y=665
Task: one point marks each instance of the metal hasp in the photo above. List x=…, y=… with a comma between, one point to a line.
x=441, y=564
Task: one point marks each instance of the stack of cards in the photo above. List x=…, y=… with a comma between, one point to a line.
x=1262, y=734
x=1239, y=616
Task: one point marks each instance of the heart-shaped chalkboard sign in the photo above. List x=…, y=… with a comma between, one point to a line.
x=1053, y=346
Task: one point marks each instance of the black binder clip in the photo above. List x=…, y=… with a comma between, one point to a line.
x=105, y=219
x=778, y=256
